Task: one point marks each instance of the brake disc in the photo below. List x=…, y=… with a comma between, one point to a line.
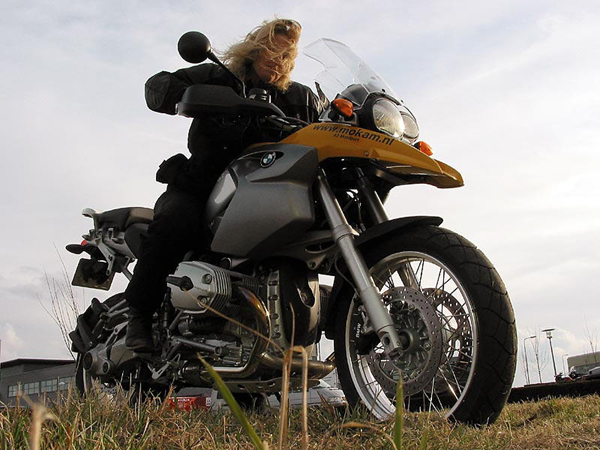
x=419, y=327
x=457, y=336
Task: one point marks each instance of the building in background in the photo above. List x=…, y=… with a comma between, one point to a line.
x=581, y=364
x=37, y=378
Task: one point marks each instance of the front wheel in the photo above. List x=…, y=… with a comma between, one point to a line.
x=454, y=317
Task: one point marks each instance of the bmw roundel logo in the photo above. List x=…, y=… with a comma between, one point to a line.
x=268, y=159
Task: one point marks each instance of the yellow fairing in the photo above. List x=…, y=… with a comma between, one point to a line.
x=342, y=141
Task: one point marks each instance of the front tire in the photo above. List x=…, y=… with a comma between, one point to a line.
x=453, y=313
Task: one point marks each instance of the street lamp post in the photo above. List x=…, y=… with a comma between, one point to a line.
x=526, y=362
x=548, y=332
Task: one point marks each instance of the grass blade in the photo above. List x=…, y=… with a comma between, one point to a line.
x=369, y=426
x=39, y=415
x=399, y=422
x=233, y=405
x=304, y=414
x=284, y=406
x=304, y=398
x=424, y=439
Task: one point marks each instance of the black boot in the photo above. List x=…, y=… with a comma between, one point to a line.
x=139, y=331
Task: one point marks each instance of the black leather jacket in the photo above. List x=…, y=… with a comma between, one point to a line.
x=214, y=141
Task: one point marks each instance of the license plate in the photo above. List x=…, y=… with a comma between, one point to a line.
x=91, y=273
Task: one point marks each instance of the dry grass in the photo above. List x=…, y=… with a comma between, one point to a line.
x=96, y=422
x=63, y=308
x=99, y=422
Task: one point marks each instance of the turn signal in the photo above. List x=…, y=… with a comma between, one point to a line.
x=424, y=147
x=344, y=107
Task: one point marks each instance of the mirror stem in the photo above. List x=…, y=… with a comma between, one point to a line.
x=214, y=59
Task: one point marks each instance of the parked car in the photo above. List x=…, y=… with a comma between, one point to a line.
x=318, y=395
x=560, y=378
x=573, y=374
x=592, y=374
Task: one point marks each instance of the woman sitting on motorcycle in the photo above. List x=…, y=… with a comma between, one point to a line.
x=263, y=60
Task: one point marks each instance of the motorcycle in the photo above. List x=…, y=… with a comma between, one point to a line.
x=411, y=302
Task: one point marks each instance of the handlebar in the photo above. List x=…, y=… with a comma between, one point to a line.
x=201, y=99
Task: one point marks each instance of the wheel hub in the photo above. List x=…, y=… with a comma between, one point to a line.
x=419, y=328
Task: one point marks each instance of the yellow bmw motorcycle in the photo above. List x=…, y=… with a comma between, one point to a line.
x=411, y=302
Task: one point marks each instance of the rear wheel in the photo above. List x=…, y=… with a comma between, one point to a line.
x=96, y=324
x=89, y=334
x=454, y=316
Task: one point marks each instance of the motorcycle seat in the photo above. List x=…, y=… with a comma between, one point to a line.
x=122, y=218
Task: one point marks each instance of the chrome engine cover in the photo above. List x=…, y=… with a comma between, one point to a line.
x=212, y=287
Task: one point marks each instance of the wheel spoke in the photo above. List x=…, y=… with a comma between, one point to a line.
x=448, y=383
x=421, y=269
x=430, y=398
x=442, y=273
x=410, y=276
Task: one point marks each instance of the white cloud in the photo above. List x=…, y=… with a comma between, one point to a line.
x=28, y=324
x=11, y=343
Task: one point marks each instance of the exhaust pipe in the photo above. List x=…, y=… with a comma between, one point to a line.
x=316, y=369
x=264, y=329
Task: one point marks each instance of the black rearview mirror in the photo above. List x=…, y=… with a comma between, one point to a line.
x=194, y=47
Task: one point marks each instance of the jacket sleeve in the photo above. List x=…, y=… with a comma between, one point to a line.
x=165, y=89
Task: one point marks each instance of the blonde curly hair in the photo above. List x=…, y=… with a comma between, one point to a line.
x=239, y=57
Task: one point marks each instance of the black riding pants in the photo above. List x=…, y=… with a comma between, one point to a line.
x=176, y=229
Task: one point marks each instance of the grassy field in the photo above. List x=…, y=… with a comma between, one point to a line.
x=100, y=423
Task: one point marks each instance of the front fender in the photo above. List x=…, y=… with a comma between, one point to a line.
x=382, y=230
x=362, y=243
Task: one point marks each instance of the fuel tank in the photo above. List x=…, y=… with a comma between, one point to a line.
x=263, y=200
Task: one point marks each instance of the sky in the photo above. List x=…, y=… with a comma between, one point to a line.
x=507, y=92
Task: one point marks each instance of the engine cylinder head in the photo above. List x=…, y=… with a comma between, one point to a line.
x=211, y=287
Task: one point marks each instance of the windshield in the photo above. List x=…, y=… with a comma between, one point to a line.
x=344, y=71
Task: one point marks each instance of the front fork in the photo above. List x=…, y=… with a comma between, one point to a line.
x=343, y=234
x=376, y=211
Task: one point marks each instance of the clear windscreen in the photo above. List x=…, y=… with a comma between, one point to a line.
x=344, y=71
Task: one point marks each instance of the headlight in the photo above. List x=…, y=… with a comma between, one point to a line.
x=387, y=118
x=411, y=129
